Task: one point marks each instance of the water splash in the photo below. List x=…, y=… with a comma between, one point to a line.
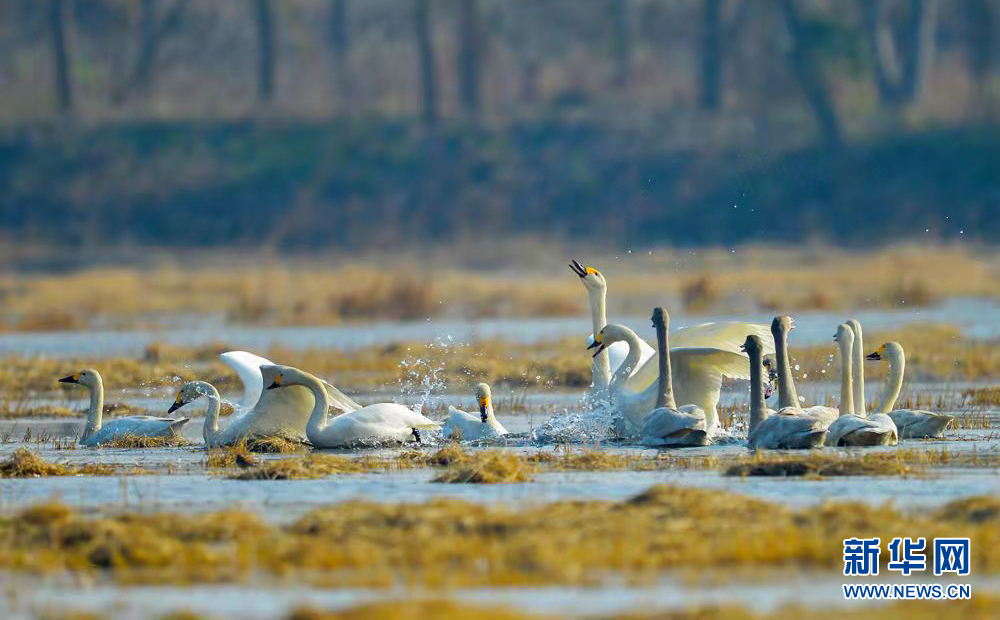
x=593, y=422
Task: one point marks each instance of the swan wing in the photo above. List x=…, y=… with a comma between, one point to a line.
x=339, y=400
x=854, y=430
x=665, y=422
x=788, y=430
x=247, y=367
x=725, y=335
x=913, y=423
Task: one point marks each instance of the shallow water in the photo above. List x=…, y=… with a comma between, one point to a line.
x=978, y=318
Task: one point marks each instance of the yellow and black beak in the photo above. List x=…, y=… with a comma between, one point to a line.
x=599, y=346
x=276, y=383
x=484, y=403
x=74, y=378
x=578, y=269
x=876, y=356
x=178, y=403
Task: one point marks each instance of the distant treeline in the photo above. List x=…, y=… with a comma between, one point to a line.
x=355, y=185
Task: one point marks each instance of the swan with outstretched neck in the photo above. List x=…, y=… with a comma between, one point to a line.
x=484, y=425
x=785, y=429
x=911, y=423
x=96, y=432
x=668, y=425
x=378, y=423
x=858, y=368
x=726, y=336
x=788, y=397
x=851, y=429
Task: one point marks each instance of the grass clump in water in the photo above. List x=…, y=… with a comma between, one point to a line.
x=133, y=442
x=820, y=465
x=304, y=468
x=489, y=467
x=272, y=445
x=27, y=464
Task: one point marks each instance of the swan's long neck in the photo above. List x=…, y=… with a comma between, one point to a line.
x=893, y=383
x=211, y=429
x=665, y=395
x=631, y=360
x=600, y=366
x=318, y=417
x=846, y=382
x=95, y=413
x=757, y=407
x=858, y=371
x=787, y=397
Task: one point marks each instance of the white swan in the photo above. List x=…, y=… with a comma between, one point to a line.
x=697, y=377
x=192, y=391
x=462, y=425
x=858, y=367
x=263, y=413
x=786, y=429
x=95, y=433
x=375, y=423
x=911, y=423
x=727, y=336
x=788, y=397
x=851, y=429
x=668, y=425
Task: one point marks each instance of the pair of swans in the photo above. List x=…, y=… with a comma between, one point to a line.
x=853, y=427
x=701, y=355
x=463, y=425
x=294, y=412
x=95, y=433
x=911, y=423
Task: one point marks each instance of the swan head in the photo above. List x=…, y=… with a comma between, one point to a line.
x=591, y=278
x=782, y=325
x=189, y=392
x=607, y=337
x=660, y=317
x=753, y=346
x=855, y=326
x=890, y=351
x=844, y=336
x=88, y=377
x=483, y=398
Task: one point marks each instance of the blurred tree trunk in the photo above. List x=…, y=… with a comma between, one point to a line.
x=60, y=56
x=980, y=49
x=469, y=48
x=425, y=56
x=621, y=43
x=264, y=14
x=901, y=68
x=340, y=41
x=711, y=54
x=809, y=75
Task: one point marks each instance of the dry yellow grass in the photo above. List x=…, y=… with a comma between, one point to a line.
x=822, y=465
x=134, y=442
x=26, y=464
x=455, y=543
x=304, y=468
x=488, y=467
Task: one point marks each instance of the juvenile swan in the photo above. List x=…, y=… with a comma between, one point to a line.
x=697, y=375
x=372, y=424
x=910, y=423
x=462, y=425
x=787, y=429
x=726, y=336
x=95, y=434
x=667, y=425
x=851, y=429
x=788, y=398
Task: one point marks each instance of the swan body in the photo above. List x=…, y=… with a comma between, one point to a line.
x=788, y=397
x=95, y=433
x=463, y=425
x=697, y=377
x=910, y=423
x=853, y=429
x=725, y=336
x=380, y=422
x=788, y=428
x=668, y=424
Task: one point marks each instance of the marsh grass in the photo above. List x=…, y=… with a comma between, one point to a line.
x=448, y=542
x=272, y=445
x=27, y=464
x=136, y=442
x=305, y=468
x=488, y=467
x=822, y=465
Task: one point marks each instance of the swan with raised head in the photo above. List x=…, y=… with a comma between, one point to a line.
x=858, y=367
x=697, y=377
x=376, y=423
x=260, y=413
x=911, y=423
x=851, y=429
x=786, y=429
x=96, y=433
x=788, y=397
x=462, y=425
x=726, y=336
x=668, y=425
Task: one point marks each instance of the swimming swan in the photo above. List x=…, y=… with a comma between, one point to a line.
x=668, y=425
x=910, y=423
x=375, y=423
x=788, y=398
x=858, y=367
x=851, y=429
x=726, y=336
x=95, y=433
x=696, y=377
x=462, y=425
x=786, y=429
x=262, y=413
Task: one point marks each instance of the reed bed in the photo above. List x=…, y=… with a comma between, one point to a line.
x=26, y=464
